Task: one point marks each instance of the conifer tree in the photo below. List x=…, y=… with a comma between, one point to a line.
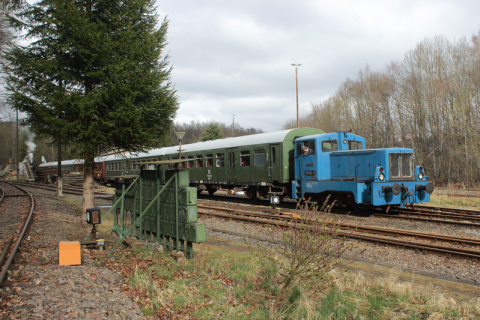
x=212, y=132
x=93, y=74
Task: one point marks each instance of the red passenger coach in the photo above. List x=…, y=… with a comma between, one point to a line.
x=99, y=171
x=99, y=174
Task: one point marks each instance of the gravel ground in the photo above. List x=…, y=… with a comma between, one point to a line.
x=40, y=289
x=456, y=269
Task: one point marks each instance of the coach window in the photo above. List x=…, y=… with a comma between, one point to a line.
x=199, y=161
x=208, y=160
x=231, y=159
x=311, y=146
x=190, y=162
x=355, y=145
x=259, y=158
x=220, y=160
x=331, y=145
x=245, y=158
x=169, y=165
x=181, y=165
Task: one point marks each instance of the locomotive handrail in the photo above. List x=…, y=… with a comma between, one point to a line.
x=341, y=152
x=114, y=205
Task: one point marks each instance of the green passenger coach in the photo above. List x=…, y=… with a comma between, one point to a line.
x=261, y=164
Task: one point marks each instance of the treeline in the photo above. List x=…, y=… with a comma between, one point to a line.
x=43, y=147
x=430, y=102
x=8, y=142
x=196, y=129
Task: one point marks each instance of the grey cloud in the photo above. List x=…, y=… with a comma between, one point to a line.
x=234, y=57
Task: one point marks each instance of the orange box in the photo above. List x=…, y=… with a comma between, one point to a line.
x=69, y=253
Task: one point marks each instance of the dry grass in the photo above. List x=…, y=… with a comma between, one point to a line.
x=457, y=186
x=226, y=285
x=454, y=202
x=410, y=295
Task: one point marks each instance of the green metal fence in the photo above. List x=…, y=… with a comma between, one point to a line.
x=161, y=213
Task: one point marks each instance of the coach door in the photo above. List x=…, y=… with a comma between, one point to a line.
x=275, y=168
x=232, y=164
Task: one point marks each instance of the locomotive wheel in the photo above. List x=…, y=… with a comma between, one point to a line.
x=211, y=191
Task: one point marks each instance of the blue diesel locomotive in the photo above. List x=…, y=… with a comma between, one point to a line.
x=338, y=164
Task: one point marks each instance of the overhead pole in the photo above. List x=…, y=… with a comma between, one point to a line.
x=296, y=84
x=233, y=127
x=16, y=160
x=59, y=168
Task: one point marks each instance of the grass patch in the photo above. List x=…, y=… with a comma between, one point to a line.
x=456, y=202
x=232, y=285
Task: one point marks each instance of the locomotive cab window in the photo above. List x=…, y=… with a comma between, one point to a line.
x=220, y=160
x=299, y=148
x=208, y=160
x=199, y=161
x=355, y=145
x=401, y=165
x=245, y=158
x=311, y=146
x=259, y=158
x=331, y=145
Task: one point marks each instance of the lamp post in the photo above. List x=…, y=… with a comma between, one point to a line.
x=296, y=83
x=180, y=136
x=233, y=127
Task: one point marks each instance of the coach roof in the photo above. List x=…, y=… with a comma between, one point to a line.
x=261, y=138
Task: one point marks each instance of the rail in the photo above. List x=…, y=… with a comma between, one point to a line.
x=20, y=238
x=353, y=232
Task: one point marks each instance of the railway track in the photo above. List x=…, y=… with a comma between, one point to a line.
x=467, y=220
x=67, y=190
x=431, y=214
x=394, y=237
x=12, y=227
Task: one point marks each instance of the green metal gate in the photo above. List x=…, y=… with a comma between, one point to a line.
x=162, y=213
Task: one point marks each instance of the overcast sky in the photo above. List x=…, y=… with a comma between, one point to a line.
x=234, y=57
